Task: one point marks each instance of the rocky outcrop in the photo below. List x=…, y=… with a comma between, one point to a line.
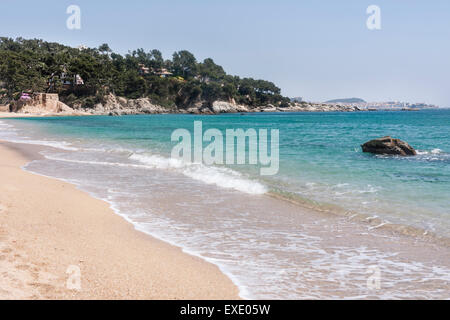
x=227, y=107
x=318, y=107
x=49, y=104
x=113, y=105
x=388, y=145
x=42, y=104
x=196, y=110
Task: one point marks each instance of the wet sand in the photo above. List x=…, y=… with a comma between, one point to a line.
x=57, y=242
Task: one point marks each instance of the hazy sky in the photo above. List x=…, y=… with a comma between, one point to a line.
x=316, y=49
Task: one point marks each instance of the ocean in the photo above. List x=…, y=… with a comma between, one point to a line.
x=296, y=234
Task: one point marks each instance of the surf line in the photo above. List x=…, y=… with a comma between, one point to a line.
x=230, y=150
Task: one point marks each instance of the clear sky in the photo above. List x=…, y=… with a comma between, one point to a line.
x=317, y=49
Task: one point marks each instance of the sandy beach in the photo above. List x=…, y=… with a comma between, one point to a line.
x=5, y=115
x=56, y=235
x=50, y=231
x=14, y=115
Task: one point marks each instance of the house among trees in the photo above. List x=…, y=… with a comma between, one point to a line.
x=78, y=80
x=64, y=79
x=143, y=69
x=163, y=73
x=179, y=82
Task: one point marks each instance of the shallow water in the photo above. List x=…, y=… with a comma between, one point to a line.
x=271, y=248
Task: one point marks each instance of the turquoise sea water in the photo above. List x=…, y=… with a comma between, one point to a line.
x=126, y=160
x=320, y=156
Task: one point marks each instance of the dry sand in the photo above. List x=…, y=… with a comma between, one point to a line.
x=41, y=114
x=16, y=115
x=49, y=229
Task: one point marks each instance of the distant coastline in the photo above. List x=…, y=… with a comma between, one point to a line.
x=385, y=106
x=44, y=104
x=62, y=80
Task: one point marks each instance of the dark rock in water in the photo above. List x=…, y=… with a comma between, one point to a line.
x=388, y=145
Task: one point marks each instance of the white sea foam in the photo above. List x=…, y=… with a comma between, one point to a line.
x=5, y=125
x=6, y=129
x=54, y=144
x=266, y=258
x=158, y=162
x=224, y=178
x=436, y=151
x=262, y=268
x=284, y=263
x=433, y=151
x=109, y=149
x=221, y=177
x=11, y=135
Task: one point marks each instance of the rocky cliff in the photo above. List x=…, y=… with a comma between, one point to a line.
x=49, y=104
x=113, y=105
x=42, y=104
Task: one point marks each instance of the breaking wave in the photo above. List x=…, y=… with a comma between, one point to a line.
x=434, y=151
x=221, y=177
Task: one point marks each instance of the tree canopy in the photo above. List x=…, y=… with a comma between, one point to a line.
x=29, y=65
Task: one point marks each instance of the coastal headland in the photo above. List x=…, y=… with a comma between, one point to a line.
x=99, y=81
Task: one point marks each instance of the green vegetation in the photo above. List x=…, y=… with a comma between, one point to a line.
x=37, y=65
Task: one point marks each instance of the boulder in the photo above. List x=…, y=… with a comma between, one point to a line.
x=227, y=107
x=193, y=110
x=113, y=105
x=42, y=104
x=388, y=145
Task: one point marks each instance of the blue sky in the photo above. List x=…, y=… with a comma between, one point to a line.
x=316, y=49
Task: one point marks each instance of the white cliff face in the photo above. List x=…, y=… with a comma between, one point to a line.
x=54, y=108
x=313, y=107
x=121, y=106
x=49, y=104
x=43, y=104
x=226, y=107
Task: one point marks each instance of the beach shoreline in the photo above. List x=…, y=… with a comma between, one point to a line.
x=323, y=245
x=6, y=115
x=53, y=235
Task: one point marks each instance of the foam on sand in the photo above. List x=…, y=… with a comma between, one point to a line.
x=221, y=177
